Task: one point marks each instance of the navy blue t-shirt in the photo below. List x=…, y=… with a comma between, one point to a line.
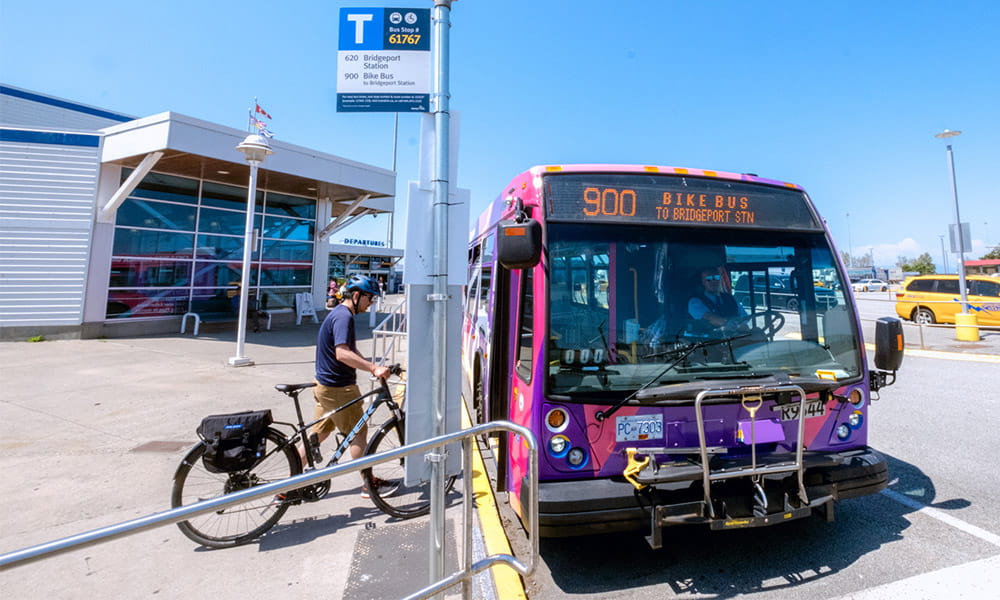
x=337, y=328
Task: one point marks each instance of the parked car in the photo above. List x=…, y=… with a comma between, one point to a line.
x=936, y=299
x=870, y=285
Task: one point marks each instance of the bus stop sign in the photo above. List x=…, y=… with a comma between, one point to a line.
x=384, y=60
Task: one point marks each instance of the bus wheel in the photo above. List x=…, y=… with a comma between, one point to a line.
x=923, y=316
x=478, y=400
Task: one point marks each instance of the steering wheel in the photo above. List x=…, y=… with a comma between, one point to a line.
x=772, y=321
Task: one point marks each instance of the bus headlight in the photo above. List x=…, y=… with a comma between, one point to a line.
x=557, y=420
x=558, y=446
x=577, y=458
x=855, y=419
x=843, y=431
x=855, y=397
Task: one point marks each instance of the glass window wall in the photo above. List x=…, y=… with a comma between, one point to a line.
x=178, y=239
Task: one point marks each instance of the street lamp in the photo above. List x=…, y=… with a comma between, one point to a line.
x=969, y=332
x=255, y=148
x=944, y=257
x=850, y=244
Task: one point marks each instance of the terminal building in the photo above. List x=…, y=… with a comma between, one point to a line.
x=354, y=256
x=112, y=225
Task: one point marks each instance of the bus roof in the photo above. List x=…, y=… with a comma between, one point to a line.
x=666, y=170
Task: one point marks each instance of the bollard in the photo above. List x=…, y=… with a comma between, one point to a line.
x=966, y=327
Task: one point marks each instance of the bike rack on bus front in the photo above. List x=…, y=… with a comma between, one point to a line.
x=644, y=473
x=743, y=393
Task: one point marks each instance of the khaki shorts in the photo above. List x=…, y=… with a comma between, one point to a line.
x=329, y=398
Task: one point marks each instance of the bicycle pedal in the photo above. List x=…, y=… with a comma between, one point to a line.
x=291, y=498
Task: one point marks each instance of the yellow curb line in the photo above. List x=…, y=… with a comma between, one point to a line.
x=967, y=357
x=508, y=582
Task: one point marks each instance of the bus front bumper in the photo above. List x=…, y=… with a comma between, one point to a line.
x=584, y=507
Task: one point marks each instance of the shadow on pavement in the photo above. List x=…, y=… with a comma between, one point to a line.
x=726, y=564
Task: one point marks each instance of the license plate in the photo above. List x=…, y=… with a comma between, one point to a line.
x=813, y=408
x=639, y=427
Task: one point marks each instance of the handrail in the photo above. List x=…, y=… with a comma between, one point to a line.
x=183, y=513
x=393, y=326
x=923, y=326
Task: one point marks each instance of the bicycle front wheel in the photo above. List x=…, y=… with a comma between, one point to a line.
x=241, y=523
x=385, y=481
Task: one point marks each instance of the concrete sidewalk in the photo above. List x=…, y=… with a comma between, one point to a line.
x=93, y=431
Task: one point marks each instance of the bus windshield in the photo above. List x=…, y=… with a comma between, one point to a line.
x=631, y=304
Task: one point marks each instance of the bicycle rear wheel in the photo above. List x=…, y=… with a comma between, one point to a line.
x=241, y=523
x=385, y=480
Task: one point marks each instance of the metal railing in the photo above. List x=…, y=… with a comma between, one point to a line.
x=387, y=335
x=922, y=327
x=463, y=576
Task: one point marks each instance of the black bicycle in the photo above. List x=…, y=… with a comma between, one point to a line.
x=234, y=525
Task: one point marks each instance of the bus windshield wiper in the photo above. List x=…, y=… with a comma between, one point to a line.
x=682, y=353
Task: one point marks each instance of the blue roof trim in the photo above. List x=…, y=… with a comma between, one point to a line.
x=50, y=137
x=64, y=104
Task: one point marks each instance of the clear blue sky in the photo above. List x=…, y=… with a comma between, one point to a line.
x=841, y=97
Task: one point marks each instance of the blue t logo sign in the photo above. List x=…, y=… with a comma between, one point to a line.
x=359, y=26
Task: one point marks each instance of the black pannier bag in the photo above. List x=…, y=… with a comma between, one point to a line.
x=235, y=441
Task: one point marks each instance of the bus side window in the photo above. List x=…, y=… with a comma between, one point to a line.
x=485, y=279
x=472, y=293
x=525, y=325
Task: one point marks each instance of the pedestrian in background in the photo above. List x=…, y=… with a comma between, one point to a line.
x=331, y=294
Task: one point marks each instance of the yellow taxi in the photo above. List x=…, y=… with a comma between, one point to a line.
x=936, y=298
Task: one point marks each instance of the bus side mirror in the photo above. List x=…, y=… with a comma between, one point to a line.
x=888, y=343
x=519, y=245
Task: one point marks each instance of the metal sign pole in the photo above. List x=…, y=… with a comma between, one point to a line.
x=961, y=236
x=440, y=26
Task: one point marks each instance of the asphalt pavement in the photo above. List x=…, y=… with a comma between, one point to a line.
x=93, y=430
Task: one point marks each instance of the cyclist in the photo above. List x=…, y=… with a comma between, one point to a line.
x=337, y=357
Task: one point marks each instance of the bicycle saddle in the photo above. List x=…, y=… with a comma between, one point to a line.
x=288, y=388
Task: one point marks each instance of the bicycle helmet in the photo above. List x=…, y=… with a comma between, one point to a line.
x=363, y=284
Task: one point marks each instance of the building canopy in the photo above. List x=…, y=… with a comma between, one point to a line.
x=180, y=145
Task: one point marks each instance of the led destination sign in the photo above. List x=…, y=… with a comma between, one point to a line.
x=622, y=198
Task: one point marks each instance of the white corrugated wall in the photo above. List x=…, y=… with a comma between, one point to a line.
x=47, y=194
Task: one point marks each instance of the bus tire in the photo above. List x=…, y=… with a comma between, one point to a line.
x=478, y=395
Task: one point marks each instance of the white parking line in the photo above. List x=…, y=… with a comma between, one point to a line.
x=944, y=517
x=970, y=581
x=962, y=356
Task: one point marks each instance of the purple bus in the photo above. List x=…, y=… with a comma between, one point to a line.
x=594, y=318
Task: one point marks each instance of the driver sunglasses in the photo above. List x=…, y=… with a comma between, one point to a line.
x=713, y=277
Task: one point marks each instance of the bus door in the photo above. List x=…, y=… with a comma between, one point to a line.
x=496, y=373
x=470, y=341
x=522, y=397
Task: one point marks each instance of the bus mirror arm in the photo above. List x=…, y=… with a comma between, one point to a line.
x=880, y=379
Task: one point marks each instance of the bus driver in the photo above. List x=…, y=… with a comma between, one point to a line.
x=712, y=308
